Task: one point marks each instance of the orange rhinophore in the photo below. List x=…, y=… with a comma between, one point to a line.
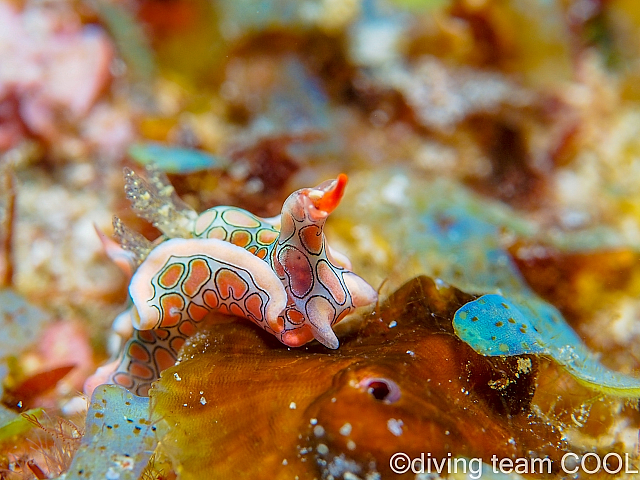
x=332, y=196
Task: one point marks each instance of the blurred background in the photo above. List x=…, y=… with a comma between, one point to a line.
x=494, y=144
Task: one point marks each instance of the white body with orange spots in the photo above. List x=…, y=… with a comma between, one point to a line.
x=285, y=281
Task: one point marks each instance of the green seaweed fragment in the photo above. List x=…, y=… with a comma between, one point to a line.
x=421, y=5
x=14, y=425
x=493, y=325
x=120, y=437
x=171, y=159
x=129, y=37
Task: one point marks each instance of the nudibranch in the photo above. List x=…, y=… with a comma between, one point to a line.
x=278, y=273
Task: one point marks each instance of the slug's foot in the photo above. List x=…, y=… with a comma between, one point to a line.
x=297, y=337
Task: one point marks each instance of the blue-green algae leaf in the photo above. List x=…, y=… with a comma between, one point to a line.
x=298, y=105
x=20, y=323
x=494, y=325
x=174, y=159
x=298, y=108
x=244, y=15
x=119, y=436
x=441, y=229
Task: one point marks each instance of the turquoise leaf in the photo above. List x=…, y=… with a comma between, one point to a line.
x=119, y=436
x=174, y=159
x=493, y=325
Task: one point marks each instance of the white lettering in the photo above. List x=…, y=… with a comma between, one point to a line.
x=575, y=462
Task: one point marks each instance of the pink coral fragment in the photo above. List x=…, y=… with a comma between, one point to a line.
x=53, y=65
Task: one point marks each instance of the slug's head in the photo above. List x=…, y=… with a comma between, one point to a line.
x=315, y=204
